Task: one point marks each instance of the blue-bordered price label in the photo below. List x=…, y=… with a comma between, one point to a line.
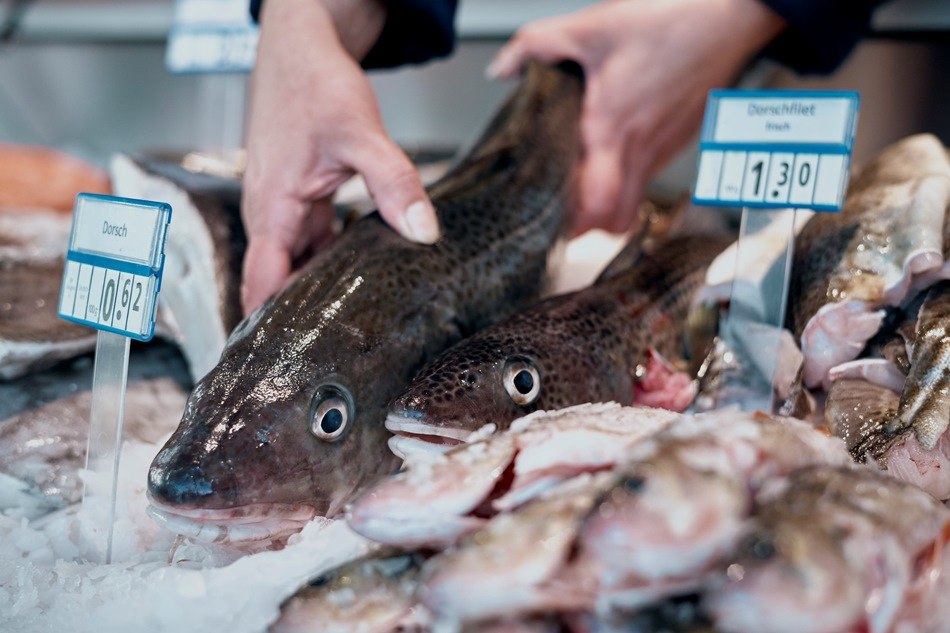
x=211, y=36
x=114, y=264
x=776, y=149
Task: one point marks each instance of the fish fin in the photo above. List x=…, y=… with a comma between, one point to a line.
x=657, y=221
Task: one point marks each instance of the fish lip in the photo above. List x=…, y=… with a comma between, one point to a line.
x=252, y=522
x=404, y=425
x=410, y=447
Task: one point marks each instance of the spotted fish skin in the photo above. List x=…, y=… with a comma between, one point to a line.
x=366, y=314
x=586, y=346
x=925, y=401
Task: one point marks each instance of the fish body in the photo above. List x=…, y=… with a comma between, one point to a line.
x=44, y=424
x=680, y=503
x=375, y=594
x=605, y=343
x=925, y=400
x=887, y=240
x=511, y=565
x=290, y=421
x=436, y=501
x=833, y=549
x=32, y=255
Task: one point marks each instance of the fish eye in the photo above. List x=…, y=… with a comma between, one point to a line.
x=522, y=381
x=332, y=411
x=761, y=546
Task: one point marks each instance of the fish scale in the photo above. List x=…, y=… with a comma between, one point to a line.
x=361, y=318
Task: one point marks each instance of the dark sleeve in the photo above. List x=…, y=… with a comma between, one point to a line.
x=820, y=33
x=415, y=31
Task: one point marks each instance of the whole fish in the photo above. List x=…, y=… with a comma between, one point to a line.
x=511, y=566
x=290, y=423
x=375, y=594
x=925, y=400
x=680, y=504
x=44, y=424
x=601, y=344
x=436, y=501
x=887, y=240
x=32, y=251
x=836, y=549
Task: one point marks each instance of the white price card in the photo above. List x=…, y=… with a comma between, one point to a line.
x=114, y=264
x=776, y=149
x=211, y=36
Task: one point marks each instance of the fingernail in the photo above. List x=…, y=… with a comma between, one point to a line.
x=492, y=70
x=422, y=223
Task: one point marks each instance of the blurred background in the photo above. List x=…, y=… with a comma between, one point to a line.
x=90, y=77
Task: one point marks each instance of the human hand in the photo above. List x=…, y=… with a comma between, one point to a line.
x=313, y=123
x=648, y=66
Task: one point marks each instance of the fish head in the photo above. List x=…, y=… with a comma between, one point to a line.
x=791, y=574
x=666, y=517
x=494, y=377
x=287, y=426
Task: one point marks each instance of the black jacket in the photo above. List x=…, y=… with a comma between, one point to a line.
x=820, y=33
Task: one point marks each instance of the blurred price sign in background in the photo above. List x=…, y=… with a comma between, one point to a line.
x=775, y=154
x=209, y=36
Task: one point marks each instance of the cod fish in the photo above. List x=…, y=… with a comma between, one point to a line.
x=925, y=400
x=606, y=343
x=32, y=254
x=679, y=506
x=200, y=300
x=290, y=423
x=375, y=594
x=886, y=243
x=44, y=424
x=838, y=549
x=438, y=500
x=511, y=566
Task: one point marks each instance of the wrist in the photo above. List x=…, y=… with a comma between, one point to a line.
x=354, y=24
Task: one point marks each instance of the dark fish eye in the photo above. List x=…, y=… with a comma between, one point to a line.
x=761, y=547
x=633, y=484
x=522, y=381
x=331, y=413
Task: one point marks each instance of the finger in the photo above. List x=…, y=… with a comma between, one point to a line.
x=636, y=172
x=315, y=231
x=396, y=187
x=549, y=41
x=600, y=179
x=266, y=267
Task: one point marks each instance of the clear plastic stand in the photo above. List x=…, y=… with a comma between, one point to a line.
x=105, y=439
x=752, y=331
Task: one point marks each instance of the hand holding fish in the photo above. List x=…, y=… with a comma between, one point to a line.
x=314, y=122
x=648, y=67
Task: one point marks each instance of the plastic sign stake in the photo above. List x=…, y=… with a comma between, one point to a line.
x=770, y=152
x=111, y=281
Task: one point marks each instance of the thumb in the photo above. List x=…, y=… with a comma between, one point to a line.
x=266, y=267
x=397, y=189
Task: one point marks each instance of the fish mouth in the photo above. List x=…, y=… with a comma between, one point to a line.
x=242, y=524
x=412, y=437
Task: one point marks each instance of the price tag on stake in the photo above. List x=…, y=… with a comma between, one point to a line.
x=776, y=149
x=111, y=281
x=114, y=264
x=774, y=152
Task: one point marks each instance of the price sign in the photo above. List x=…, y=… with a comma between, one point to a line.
x=210, y=36
x=114, y=264
x=776, y=149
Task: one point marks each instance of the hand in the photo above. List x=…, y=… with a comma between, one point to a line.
x=648, y=66
x=314, y=122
